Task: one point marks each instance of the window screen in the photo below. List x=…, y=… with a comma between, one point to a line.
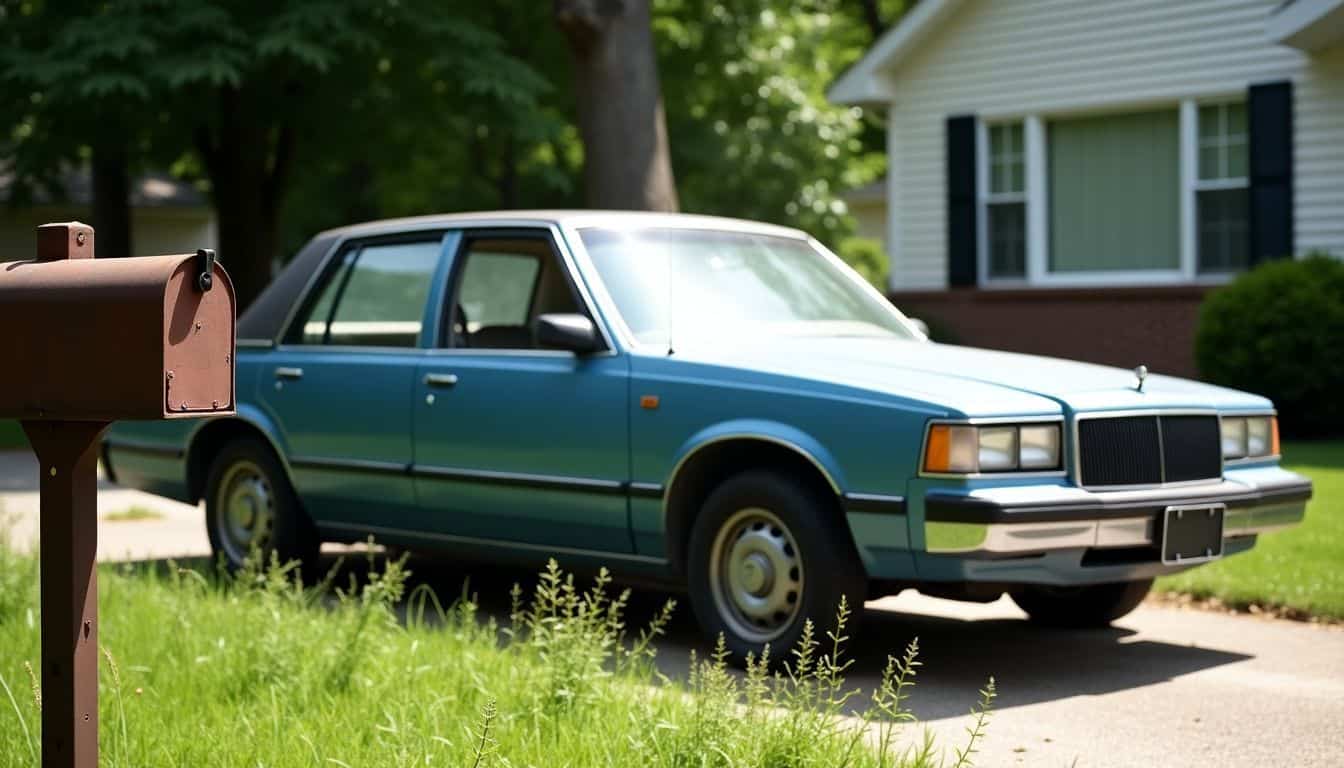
x=1115, y=192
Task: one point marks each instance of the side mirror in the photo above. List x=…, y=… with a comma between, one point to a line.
x=920, y=324
x=575, y=333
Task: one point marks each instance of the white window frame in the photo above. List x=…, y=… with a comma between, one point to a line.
x=1193, y=185
x=985, y=198
x=1037, y=180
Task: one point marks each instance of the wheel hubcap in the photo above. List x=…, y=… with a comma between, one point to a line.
x=246, y=510
x=757, y=574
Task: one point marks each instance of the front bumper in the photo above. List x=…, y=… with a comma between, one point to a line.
x=1028, y=520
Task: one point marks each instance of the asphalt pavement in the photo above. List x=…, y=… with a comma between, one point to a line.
x=1166, y=686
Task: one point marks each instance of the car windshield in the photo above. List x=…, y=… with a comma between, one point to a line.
x=723, y=285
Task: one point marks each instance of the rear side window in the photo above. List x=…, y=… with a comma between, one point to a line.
x=374, y=298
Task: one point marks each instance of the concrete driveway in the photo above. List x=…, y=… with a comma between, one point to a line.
x=1164, y=687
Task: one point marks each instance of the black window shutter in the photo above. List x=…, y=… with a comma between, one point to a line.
x=1269, y=111
x=961, y=201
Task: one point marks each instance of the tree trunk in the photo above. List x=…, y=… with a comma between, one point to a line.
x=247, y=157
x=111, y=181
x=620, y=104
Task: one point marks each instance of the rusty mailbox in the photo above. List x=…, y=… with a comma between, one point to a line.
x=84, y=342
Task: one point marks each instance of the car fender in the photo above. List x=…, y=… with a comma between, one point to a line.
x=250, y=416
x=785, y=435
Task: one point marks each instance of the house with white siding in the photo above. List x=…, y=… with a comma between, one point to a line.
x=1071, y=176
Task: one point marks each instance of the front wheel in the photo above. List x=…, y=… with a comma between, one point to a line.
x=768, y=553
x=1096, y=605
x=250, y=505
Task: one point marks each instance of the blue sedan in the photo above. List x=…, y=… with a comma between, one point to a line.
x=714, y=404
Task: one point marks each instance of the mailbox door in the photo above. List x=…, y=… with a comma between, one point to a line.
x=340, y=385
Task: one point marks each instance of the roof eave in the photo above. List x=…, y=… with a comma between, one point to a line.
x=1308, y=25
x=865, y=82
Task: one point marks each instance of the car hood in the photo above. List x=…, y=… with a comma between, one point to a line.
x=969, y=380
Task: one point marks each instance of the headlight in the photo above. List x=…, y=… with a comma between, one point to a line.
x=966, y=449
x=1250, y=437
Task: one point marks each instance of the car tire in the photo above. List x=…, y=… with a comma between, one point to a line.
x=249, y=503
x=766, y=554
x=1092, y=606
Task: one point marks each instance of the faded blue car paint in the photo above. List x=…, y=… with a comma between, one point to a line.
x=856, y=408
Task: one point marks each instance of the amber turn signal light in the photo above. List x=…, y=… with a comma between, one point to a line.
x=938, y=453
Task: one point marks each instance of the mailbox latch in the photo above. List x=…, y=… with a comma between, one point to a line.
x=205, y=267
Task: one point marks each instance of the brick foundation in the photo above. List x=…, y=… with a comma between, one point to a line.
x=1154, y=326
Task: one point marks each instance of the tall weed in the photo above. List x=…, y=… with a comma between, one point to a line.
x=258, y=668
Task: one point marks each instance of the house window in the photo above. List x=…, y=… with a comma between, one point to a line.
x=1114, y=193
x=1006, y=202
x=1221, y=201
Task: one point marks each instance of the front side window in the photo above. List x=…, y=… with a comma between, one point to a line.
x=1006, y=204
x=504, y=285
x=705, y=286
x=1221, y=201
x=375, y=297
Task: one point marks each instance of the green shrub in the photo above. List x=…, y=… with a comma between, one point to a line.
x=867, y=258
x=1278, y=331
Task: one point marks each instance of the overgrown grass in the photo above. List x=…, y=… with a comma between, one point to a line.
x=1299, y=570
x=258, y=670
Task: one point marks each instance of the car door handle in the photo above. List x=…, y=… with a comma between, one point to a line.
x=441, y=379
x=289, y=373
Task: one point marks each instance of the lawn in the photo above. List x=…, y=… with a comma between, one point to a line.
x=258, y=671
x=1301, y=569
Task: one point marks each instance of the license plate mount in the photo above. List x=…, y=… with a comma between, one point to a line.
x=1192, y=534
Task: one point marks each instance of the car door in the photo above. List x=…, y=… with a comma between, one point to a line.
x=339, y=386
x=512, y=442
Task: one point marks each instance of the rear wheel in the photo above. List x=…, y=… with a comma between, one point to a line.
x=1096, y=605
x=767, y=553
x=250, y=505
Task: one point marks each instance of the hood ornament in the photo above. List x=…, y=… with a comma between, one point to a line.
x=1140, y=373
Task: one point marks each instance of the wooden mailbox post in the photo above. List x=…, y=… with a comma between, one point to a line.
x=85, y=342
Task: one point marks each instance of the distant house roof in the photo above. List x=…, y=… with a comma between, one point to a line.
x=861, y=84
x=1309, y=25
x=151, y=190
x=873, y=192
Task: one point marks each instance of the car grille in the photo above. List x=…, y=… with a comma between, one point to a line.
x=1148, y=450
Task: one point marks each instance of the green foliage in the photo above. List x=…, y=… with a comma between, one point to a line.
x=1276, y=331
x=11, y=436
x=867, y=258
x=751, y=132
x=412, y=107
x=1297, y=571
x=259, y=670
